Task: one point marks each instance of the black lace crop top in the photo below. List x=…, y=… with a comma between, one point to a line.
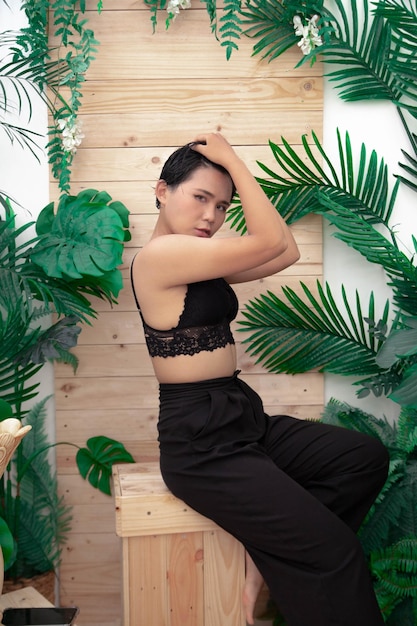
x=204, y=324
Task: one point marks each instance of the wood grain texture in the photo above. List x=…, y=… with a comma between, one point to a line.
x=146, y=94
x=179, y=565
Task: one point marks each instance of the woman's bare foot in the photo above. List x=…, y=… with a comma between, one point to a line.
x=253, y=584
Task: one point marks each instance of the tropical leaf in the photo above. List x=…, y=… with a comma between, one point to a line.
x=407, y=430
x=342, y=414
x=400, y=343
x=301, y=335
x=362, y=186
x=96, y=461
x=376, y=248
x=271, y=23
x=7, y=544
x=86, y=237
x=401, y=16
x=38, y=518
x=410, y=169
x=14, y=337
x=53, y=343
x=405, y=393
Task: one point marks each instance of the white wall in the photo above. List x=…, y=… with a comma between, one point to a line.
x=375, y=124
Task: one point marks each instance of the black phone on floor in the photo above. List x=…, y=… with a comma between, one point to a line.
x=45, y=616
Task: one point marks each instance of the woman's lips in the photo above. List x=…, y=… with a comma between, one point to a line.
x=201, y=232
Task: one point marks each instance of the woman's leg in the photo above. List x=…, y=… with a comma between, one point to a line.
x=280, y=486
x=251, y=589
x=311, y=561
x=343, y=469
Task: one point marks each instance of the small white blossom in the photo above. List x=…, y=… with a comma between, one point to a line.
x=309, y=33
x=71, y=134
x=174, y=6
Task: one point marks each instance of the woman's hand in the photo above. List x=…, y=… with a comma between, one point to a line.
x=216, y=148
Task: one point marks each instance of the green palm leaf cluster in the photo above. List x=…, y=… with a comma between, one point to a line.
x=373, y=48
x=299, y=333
x=389, y=532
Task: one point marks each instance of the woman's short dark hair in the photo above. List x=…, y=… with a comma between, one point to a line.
x=182, y=164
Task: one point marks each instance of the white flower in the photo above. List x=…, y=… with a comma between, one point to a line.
x=71, y=134
x=309, y=33
x=174, y=6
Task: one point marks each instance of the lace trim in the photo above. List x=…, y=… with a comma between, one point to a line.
x=188, y=341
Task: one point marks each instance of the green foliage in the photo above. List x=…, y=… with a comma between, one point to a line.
x=389, y=532
x=227, y=28
x=37, y=517
x=28, y=71
x=230, y=26
x=299, y=333
x=95, y=462
x=85, y=237
x=306, y=184
x=7, y=544
x=271, y=24
x=298, y=336
x=74, y=254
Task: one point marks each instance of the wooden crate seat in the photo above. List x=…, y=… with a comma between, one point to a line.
x=179, y=568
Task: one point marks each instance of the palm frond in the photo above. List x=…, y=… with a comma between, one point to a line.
x=271, y=23
x=401, y=15
x=372, y=245
x=364, y=50
x=411, y=167
x=363, y=186
x=301, y=335
x=14, y=336
x=22, y=136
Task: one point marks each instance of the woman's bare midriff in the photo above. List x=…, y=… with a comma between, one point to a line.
x=201, y=366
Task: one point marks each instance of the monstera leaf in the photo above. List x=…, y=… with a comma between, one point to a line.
x=95, y=462
x=84, y=237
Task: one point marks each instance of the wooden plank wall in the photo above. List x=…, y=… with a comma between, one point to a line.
x=145, y=95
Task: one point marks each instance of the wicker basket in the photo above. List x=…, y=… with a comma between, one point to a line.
x=43, y=583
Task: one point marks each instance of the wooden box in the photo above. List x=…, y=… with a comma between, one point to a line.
x=179, y=568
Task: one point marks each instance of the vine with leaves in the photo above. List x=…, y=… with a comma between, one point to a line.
x=375, y=55
x=33, y=64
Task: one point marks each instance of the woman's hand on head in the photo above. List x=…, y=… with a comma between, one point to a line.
x=214, y=147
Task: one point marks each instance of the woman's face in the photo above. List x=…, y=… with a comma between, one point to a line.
x=198, y=205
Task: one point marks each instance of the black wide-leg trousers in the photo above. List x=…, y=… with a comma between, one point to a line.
x=294, y=492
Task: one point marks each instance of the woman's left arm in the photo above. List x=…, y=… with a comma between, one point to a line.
x=279, y=263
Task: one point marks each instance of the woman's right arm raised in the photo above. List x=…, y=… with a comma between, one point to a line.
x=263, y=222
x=181, y=259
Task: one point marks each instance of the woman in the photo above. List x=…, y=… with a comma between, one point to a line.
x=293, y=492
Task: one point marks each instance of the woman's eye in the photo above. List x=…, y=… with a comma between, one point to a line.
x=200, y=198
x=221, y=207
